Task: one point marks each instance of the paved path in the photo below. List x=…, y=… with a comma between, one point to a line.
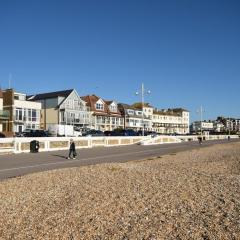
x=20, y=164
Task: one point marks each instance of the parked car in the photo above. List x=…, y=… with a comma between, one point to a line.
x=109, y=133
x=147, y=133
x=2, y=135
x=36, y=133
x=93, y=133
x=124, y=132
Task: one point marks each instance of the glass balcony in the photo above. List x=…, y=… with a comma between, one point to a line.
x=4, y=114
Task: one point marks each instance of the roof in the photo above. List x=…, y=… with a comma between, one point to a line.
x=91, y=102
x=167, y=113
x=138, y=105
x=179, y=110
x=127, y=106
x=64, y=93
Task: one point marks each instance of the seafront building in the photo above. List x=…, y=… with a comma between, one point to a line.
x=134, y=118
x=105, y=115
x=171, y=121
x=19, y=114
x=62, y=108
x=204, y=126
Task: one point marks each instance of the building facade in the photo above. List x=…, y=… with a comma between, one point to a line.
x=22, y=114
x=135, y=118
x=105, y=115
x=171, y=121
x=62, y=108
x=204, y=126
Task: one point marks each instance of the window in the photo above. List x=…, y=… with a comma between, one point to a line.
x=34, y=115
x=113, y=108
x=99, y=106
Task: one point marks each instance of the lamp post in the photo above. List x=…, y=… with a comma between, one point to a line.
x=143, y=92
x=201, y=110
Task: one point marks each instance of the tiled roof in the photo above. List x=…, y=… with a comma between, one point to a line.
x=64, y=93
x=91, y=102
x=138, y=105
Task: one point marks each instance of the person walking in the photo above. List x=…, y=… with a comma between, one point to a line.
x=72, y=150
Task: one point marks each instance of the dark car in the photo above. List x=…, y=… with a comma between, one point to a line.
x=36, y=133
x=125, y=132
x=2, y=135
x=93, y=133
x=109, y=133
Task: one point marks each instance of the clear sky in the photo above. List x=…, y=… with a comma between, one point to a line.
x=186, y=52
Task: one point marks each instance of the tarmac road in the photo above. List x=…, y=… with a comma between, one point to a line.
x=25, y=163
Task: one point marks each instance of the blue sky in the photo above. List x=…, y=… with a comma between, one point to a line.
x=186, y=52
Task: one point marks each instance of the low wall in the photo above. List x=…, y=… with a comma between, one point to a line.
x=207, y=137
x=19, y=145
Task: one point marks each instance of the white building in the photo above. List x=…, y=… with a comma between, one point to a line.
x=171, y=121
x=23, y=114
x=134, y=118
x=26, y=113
x=204, y=126
x=105, y=115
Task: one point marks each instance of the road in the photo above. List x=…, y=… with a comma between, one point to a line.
x=25, y=163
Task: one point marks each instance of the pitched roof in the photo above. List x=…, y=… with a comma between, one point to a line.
x=127, y=106
x=138, y=105
x=64, y=93
x=91, y=102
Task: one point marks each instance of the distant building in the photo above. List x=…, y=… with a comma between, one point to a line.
x=198, y=126
x=62, y=108
x=229, y=124
x=19, y=113
x=105, y=115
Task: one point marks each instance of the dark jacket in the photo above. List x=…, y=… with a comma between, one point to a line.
x=72, y=146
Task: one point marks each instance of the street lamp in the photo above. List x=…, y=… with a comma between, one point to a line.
x=201, y=110
x=143, y=92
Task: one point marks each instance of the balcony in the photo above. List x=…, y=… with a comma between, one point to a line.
x=4, y=114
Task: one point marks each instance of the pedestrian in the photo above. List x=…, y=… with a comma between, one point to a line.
x=200, y=140
x=72, y=150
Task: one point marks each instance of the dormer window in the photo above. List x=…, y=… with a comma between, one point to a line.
x=113, y=108
x=99, y=106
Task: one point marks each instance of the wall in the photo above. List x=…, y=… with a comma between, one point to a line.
x=19, y=145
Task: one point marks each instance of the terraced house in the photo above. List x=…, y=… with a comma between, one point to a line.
x=135, y=118
x=105, y=115
x=62, y=108
x=20, y=114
